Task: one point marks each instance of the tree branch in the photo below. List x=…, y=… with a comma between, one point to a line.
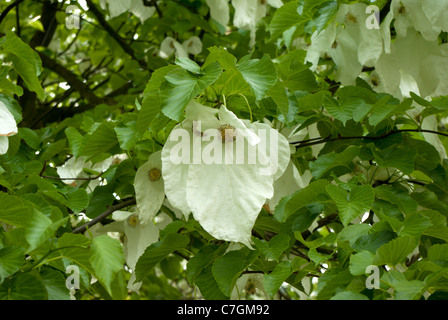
x=74, y=81
x=105, y=214
x=9, y=8
x=100, y=17
x=311, y=142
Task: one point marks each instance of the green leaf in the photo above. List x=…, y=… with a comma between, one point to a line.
x=181, y=86
x=294, y=73
x=314, y=192
x=273, y=280
x=75, y=140
x=6, y=84
x=403, y=288
x=208, y=286
x=349, y=295
x=24, y=286
x=31, y=138
x=107, y=259
x=188, y=64
x=275, y=247
x=156, y=252
x=360, y=261
x=398, y=197
x=25, y=61
x=352, y=204
x=278, y=94
x=127, y=136
x=395, y=251
x=54, y=282
x=11, y=260
x=77, y=199
x=205, y=256
x=328, y=161
x=101, y=141
x=151, y=104
x=414, y=225
x=438, y=228
x=228, y=268
x=398, y=156
x=285, y=18
x=260, y=74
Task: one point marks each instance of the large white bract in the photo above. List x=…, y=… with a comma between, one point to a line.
x=8, y=127
x=224, y=197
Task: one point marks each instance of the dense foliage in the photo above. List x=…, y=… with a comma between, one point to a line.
x=95, y=94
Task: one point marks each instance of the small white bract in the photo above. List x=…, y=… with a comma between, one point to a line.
x=149, y=188
x=8, y=127
x=248, y=14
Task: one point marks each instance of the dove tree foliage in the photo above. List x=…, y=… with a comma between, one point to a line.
x=224, y=149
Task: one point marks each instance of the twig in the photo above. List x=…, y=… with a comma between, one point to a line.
x=105, y=214
x=9, y=8
x=100, y=17
x=302, y=144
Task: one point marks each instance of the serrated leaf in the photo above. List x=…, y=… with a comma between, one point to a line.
x=360, y=261
x=273, y=280
x=260, y=74
x=314, y=192
x=395, y=251
x=11, y=260
x=24, y=286
x=158, y=251
x=202, y=260
x=352, y=204
x=107, y=259
x=181, y=86
x=229, y=267
x=275, y=247
x=101, y=141
x=328, y=161
x=25, y=61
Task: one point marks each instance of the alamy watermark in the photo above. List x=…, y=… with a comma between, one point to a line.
x=72, y=281
x=73, y=20
x=226, y=145
x=373, y=280
x=373, y=21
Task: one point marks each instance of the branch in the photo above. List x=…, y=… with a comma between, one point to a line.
x=73, y=80
x=100, y=17
x=105, y=214
x=311, y=142
x=9, y=8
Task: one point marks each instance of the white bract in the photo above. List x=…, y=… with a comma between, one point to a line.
x=136, y=238
x=8, y=127
x=135, y=6
x=248, y=14
x=193, y=45
x=249, y=285
x=219, y=11
x=410, y=14
x=209, y=172
x=74, y=168
x=349, y=42
x=149, y=188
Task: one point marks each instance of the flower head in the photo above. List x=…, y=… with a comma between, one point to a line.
x=224, y=180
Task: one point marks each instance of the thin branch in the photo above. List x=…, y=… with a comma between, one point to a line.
x=73, y=80
x=105, y=214
x=302, y=144
x=81, y=179
x=100, y=17
x=9, y=8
